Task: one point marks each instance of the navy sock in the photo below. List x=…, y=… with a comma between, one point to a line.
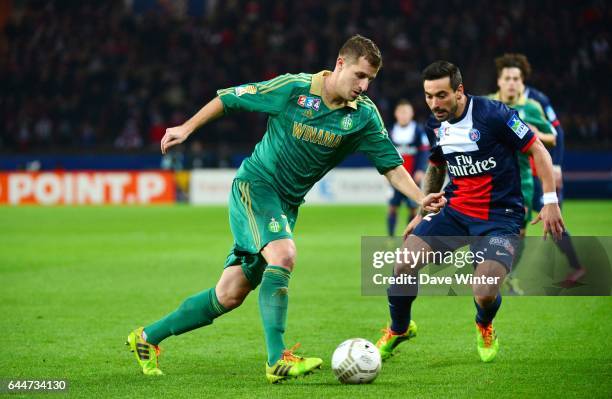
x=484, y=316
x=391, y=221
x=400, y=307
x=567, y=247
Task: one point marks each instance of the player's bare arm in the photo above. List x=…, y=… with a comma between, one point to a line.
x=178, y=134
x=550, y=214
x=434, y=178
x=549, y=140
x=403, y=182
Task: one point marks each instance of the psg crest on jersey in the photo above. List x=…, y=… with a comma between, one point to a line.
x=474, y=135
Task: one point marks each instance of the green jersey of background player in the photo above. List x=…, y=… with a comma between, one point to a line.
x=510, y=83
x=511, y=92
x=315, y=121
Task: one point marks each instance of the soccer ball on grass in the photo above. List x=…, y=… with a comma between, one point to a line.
x=356, y=361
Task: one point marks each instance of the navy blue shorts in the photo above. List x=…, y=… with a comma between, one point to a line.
x=450, y=229
x=398, y=197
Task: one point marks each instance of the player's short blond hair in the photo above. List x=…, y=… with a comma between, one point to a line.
x=358, y=46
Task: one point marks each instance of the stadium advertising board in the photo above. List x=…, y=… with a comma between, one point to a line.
x=340, y=186
x=87, y=188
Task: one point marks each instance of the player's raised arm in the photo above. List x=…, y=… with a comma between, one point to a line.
x=269, y=97
x=178, y=134
x=550, y=214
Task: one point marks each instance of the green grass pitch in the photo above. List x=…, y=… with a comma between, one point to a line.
x=75, y=281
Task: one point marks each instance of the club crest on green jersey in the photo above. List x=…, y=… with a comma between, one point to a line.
x=347, y=122
x=274, y=226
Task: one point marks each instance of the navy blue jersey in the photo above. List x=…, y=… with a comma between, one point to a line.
x=479, y=149
x=412, y=143
x=556, y=152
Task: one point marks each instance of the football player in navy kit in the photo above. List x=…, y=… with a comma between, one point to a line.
x=476, y=140
x=411, y=141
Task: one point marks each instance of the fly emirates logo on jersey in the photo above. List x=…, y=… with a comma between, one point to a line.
x=466, y=166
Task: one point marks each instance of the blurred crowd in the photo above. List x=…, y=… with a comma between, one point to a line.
x=100, y=76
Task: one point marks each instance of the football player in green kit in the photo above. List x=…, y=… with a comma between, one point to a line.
x=510, y=83
x=315, y=121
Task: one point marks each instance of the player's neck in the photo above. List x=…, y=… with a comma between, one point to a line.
x=404, y=125
x=509, y=100
x=461, y=103
x=330, y=97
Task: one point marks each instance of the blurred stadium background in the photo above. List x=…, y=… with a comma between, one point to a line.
x=90, y=85
x=87, y=89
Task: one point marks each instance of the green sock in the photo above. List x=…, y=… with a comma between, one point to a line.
x=196, y=311
x=273, y=302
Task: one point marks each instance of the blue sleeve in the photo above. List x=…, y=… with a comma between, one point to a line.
x=508, y=126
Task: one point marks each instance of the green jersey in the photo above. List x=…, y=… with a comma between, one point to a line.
x=305, y=137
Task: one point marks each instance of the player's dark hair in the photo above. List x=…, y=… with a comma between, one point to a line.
x=358, y=46
x=513, y=60
x=442, y=69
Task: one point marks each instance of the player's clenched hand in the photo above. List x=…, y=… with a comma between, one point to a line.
x=433, y=202
x=174, y=135
x=412, y=225
x=550, y=215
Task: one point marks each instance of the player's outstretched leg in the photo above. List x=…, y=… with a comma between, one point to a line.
x=273, y=303
x=196, y=311
x=400, y=299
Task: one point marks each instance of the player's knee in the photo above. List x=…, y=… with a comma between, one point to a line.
x=409, y=264
x=286, y=259
x=403, y=268
x=283, y=255
x=231, y=298
x=485, y=300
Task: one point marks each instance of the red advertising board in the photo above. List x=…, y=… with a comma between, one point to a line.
x=87, y=188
